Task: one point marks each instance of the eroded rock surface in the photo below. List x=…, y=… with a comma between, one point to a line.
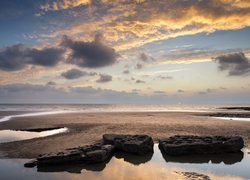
x=86, y=154
x=137, y=144
x=183, y=145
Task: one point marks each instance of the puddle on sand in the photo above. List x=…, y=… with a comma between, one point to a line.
x=125, y=166
x=12, y=135
x=232, y=118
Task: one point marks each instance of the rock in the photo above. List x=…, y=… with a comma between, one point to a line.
x=32, y=163
x=86, y=154
x=137, y=144
x=182, y=145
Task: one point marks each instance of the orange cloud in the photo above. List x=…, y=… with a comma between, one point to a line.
x=127, y=24
x=63, y=4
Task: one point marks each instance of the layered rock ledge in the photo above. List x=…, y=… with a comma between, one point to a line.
x=183, y=145
x=136, y=144
x=86, y=154
x=96, y=153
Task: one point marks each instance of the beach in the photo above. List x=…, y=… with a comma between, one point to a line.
x=87, y=128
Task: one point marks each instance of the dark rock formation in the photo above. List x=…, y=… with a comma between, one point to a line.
x=230, y=115
x=32, y=163
x=137, y=144
x=86, y=154
x=182, y=145
x=236, y=108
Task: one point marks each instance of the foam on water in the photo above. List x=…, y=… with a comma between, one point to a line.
x=232, y=118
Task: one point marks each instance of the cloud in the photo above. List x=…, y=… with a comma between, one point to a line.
x=57, y=5
x=207, y=91
x=164, y=77
x=76, y=73
x=46, y=57
x=104, y=78
x=159, y=92
x=51, y=83
x=127, y=24
x=145, y=58
x=180, y=91
x=16, y=57
x=126, y=72
x=139, y=66
x=237, y=64
x=90, y=54
x=140, y=81
x=39, y=94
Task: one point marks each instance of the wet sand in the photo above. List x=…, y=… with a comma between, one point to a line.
x=87, y=128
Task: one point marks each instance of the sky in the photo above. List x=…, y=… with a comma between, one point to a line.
x=125, y=51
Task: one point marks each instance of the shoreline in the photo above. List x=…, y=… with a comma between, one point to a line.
x=87, y=128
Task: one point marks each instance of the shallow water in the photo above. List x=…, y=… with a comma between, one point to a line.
x=232, y=118
x=124, y=166
x=12, y=135
x=7, y=118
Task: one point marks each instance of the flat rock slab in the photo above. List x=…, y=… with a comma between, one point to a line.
x=136, y=144
x=86, y=154
x=183, y=145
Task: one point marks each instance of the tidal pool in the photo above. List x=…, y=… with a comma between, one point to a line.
x=125, y=166
x=13, y=135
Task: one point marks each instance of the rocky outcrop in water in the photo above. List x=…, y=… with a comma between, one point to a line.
x=183, y=145
x=96, y=153
x=230, y=115
x=136, y=144
x=236, y=108
x=86, y=154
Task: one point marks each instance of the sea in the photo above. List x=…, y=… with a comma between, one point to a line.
x=116, y=107
x=123, y=166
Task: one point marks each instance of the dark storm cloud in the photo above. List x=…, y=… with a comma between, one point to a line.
x=76, y=73
x=46, y=57
x=93, y=54
x=16, y=57
x=104, y=78
x=237, y=64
